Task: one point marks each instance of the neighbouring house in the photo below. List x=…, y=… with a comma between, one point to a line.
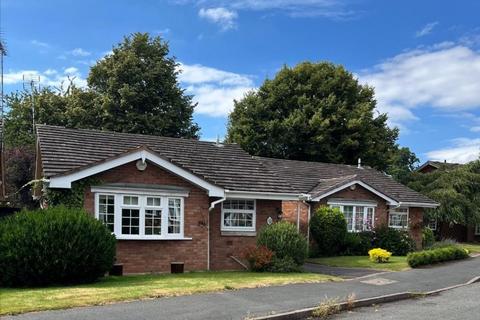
x=449, y=230
x=201, y=203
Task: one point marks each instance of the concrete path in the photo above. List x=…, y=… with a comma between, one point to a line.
x=347, y=273
x=460, y=303
x=262, y=301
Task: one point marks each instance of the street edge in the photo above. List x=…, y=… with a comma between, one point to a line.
x=307, y=312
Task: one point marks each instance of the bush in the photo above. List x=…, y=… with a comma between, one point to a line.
x=398, y=242
x=285, y=264
x=329, y=229
x=54, y=246
x=428, y=238
x=259, y=258
x=357, y=244
x=444, y=243
x=284, y=240
x=379, y=255
x=426, y=257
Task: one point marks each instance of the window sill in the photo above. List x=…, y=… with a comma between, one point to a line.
x=228, y=233
x=123, y=237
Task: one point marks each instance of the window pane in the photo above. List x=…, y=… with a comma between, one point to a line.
x=154, y=201
x=348, y=213
x=368, y=225
x=153, y=222
x=130, y=200
x=359, y=218
x=174, y=215
x=130, y=221
x=106, y=210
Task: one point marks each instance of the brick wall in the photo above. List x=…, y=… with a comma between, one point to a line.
x=224, y=245
x=295, y=211
x=140, y=256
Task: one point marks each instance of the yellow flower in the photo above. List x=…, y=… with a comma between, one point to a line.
x=379, y=255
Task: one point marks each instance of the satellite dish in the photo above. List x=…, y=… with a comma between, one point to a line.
x=141, y=165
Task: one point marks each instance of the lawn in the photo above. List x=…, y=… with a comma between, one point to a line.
x=471, y=247
x=114, y=289
x=395, y=263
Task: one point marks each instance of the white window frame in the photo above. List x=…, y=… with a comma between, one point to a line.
x=394, y=211
x=477, y=229
x=365, y=205
x=142, y=205
x=432, y=224
x=240, y=229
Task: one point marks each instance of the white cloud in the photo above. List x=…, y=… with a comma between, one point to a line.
x=214, y=89
x=79, y=52
x=334, y=9
x=445, y=77
x=462, y=150
x=40, y=44
x=475, y=129
x=49, y=77
x=426, y=30
x=223, y=17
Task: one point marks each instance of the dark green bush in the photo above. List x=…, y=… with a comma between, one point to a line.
x=426, y=257
x=428, y=238
x=54, y=246
x=284, y=240
x=285, y=264
x=329, y=229
x=357, y=244
x=398, y=242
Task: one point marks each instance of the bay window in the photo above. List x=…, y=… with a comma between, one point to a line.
x=141, y=216
x=398, y=218
x=238, y=215
x=359, y=217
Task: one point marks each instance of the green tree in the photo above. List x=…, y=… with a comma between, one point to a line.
x=314, y=111
x=401, y=164
x=456, y=189
x=140, y=92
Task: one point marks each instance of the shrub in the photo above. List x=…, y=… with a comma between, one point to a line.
x=444, y=243
x=428, y=238
x=398, y=242
x=357, y=244
x=379, y=255
x=54, y=246
x=426, y=257
x=329, y=229
x=285, y=264
x=259, y=258
x=284, y=240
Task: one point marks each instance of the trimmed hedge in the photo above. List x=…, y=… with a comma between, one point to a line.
x=432, y=256
x=58, y=245
x=284, y=240
x=329, y=230
x=398, y=242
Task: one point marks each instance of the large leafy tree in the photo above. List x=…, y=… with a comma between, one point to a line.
x=313, y=111
x=456, y=189
x=140, y=92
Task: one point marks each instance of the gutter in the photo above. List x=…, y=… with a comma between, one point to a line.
x=212, y=206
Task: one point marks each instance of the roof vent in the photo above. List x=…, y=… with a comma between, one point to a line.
x=218, y=143
x=359, y=165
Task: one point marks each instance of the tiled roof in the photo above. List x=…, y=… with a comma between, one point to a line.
x=309, y=177
x=226, y=165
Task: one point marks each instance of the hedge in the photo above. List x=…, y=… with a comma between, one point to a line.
x=58, y=245
x=432, y=256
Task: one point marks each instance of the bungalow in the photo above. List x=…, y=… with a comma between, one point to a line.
x=173, y=200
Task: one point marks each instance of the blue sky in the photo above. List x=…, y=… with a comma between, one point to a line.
x=423, y=57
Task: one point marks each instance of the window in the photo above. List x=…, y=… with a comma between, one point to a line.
x=141, y=216
x=398, y=218
x=106, y=210
x=238, y=215
x=358, y=217
x=477, y=229
x=432, y=224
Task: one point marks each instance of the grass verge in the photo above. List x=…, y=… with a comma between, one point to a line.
x=471, y=247
x=126, y=288
x=394, y=264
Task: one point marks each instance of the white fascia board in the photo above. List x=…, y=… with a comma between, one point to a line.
x=139, y=191
x=65, y=181
x=260, y=195
x=419, y=205
x=360, y=183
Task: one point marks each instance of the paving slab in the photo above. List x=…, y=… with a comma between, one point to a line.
x=241, y=304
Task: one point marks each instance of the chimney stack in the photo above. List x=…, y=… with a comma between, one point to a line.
x=359, y=166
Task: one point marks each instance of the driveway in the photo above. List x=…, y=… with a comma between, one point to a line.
x=450, y=305
x=347, y=273
x=261, y=301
